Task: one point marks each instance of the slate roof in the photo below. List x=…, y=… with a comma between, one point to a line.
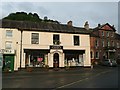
x=43, y=27
x=100, y=27
x=117, y=36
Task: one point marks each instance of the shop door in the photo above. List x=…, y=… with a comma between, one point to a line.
x=56, y=60
x=9, y=62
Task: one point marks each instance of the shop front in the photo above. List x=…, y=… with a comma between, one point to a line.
x=8, y=59
x=55, y=57
x=36, y=57
x=74, y=57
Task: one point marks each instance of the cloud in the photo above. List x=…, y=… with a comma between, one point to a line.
x=78, y=12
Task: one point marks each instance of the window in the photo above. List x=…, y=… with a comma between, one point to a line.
x=118, y=45
x=8, y=45
x=91, y=53
x=35, y=38
x=108, y=43
x=102, y=33
x=108, y=34
x=112, y=34
x=96, y=43
x=76, y=40
x=113, y=43
x=56, y=39
x=97, y=55
x=8, y=33
x=103, y=43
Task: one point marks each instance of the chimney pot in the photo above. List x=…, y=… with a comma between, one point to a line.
x=69, y=23
x=86, y=25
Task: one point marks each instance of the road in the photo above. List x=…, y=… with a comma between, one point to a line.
x=98, y=77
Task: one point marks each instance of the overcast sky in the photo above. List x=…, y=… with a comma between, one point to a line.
x=78, y=12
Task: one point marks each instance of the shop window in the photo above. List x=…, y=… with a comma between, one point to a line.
x=35, y=38
x=56, y=39
x=8, y=33
x=76, y=40
x=8, y=45
x=97, y=55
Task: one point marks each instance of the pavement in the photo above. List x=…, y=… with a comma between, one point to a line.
x=54, y=70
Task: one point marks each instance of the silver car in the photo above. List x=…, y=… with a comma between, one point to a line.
x=109, y=62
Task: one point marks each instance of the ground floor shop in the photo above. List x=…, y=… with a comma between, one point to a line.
x=55, y=58
x=7, y=59
x=99, y=55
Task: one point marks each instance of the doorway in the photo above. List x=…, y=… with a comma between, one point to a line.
x=56, y=60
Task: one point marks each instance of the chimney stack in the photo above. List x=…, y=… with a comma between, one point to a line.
x=69, y=23
x=86, y=25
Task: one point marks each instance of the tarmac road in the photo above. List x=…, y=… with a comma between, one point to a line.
x=98, y=77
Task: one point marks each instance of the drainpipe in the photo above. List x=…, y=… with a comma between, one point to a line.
x=21, y=49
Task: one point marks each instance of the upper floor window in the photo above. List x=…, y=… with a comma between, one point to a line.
x=56, y=39
x=102, y=33
x=108, y=43
x=112, y=34
x=118, y=45
x=35, y=38
x=108, y=34
x=113, y=43
x=8, y=45
x=96, y=43
x=103, y=43
x=8, y=33
x=76, y=40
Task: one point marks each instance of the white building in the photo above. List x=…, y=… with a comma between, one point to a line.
x=39, y=44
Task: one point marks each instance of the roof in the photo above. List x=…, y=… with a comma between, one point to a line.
x=117, y=36
x=43, y=27
x=101, y=26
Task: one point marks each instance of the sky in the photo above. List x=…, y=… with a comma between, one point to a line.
x=95, y=12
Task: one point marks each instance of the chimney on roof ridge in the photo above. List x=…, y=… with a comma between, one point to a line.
x=86, y=25
x=113, y=26
x=69, y=23
x=99, y=25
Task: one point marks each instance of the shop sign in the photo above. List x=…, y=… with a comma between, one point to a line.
x=7, y=51
x=56, y=47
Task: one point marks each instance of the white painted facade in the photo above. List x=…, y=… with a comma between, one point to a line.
x=45, y=41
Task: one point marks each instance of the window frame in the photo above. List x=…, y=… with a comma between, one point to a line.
x=76, y=40
x=8, y=45
x=56, y=39
x=9, y=33
x=34, y=38
x=97, y=55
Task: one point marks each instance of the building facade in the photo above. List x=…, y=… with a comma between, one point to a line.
x=29, y=44
x=106, y=43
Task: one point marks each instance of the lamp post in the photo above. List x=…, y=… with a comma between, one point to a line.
x=21, y=48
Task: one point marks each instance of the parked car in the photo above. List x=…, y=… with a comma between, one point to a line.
x=109, y=62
